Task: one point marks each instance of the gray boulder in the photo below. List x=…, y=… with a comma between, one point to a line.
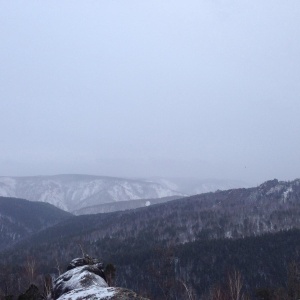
x=85, y=279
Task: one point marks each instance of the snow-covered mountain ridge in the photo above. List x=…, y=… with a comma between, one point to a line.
x=194, y=186
x=73, y=192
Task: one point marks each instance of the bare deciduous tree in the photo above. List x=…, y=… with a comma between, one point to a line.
x=30, y=269
x=235, y=285
x=217, y=293
x=188, y=290
x=46, y=284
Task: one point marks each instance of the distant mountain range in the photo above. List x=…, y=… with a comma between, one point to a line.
x=74, y=192
x=271, y=207
x=78, y=192
x=194, y=186
x=207, y=235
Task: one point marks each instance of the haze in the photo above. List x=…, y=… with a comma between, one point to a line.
x=204, y=88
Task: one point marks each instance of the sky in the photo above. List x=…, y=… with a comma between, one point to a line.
x=194, y=88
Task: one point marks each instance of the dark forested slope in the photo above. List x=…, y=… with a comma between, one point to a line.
x=271, y=207
x=20, y=218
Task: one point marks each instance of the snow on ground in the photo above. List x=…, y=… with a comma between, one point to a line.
x=286, y=193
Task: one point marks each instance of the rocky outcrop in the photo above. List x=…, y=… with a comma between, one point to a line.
x=85, y=279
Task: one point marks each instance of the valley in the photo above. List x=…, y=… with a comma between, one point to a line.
x=196, y=240
x=76, y=193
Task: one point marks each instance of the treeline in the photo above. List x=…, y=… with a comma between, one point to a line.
x=264, y=264
x=263, y=267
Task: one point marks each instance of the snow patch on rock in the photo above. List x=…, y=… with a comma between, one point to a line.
x=85, y=279
x=91, y=293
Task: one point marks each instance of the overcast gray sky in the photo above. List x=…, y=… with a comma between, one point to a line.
x=193, y=88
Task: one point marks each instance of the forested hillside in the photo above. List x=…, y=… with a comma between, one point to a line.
x=271, y=207
x=268, y=265
x=21, y=218
x=185, y=244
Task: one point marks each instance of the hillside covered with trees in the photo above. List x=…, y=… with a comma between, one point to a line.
x=192, y=247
